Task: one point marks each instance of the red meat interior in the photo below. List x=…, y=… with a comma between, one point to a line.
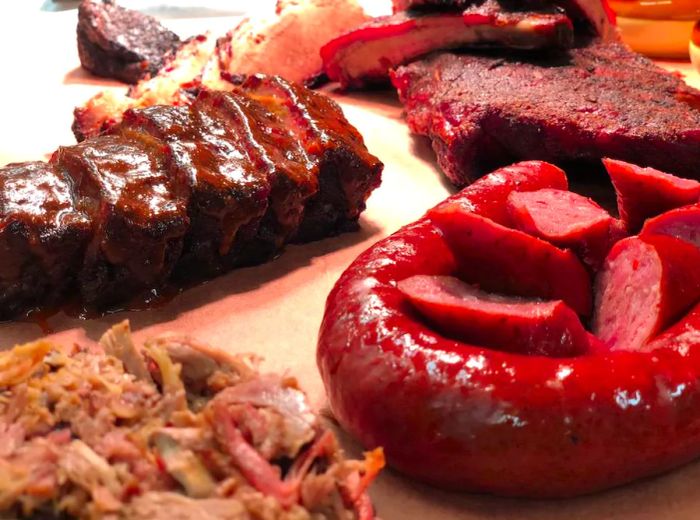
x=627, y=289
x=526, y=326
x=628, y=298
x=558, y=213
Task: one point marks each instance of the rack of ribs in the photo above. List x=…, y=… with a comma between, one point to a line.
x=180, y=193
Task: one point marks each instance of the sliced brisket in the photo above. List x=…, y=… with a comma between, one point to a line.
x=600, y=100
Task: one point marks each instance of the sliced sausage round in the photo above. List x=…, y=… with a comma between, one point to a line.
x=565, y=219
x=643, y=287
x=509, y=261
x=645, y=192
x=525, y=326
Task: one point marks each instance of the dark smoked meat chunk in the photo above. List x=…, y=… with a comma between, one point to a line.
x=347, y=172
x=602, y=100
x=139, y=218
x=42, y=236
x=228, y=196
x=180, y=193
x=120, y=43
x=275, y=153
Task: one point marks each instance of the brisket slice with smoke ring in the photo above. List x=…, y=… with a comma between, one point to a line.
x=185, y=192
x=367, y=54
x=595, y=16
x=600, y=100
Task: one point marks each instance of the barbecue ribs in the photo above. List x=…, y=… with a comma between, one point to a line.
x=600, y=100
x=181, y=192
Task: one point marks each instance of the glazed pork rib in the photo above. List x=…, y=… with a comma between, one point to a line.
x=600, y=100
x=335, y=149
x=181, y=192
x=42, y=234
x=138, y=216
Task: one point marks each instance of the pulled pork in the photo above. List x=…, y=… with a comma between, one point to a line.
x=170, y=430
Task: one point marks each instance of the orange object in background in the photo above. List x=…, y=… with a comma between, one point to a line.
x=657, y=28
x=695, y=46
x=657, y=9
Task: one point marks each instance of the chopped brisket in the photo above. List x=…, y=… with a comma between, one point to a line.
x=120, y=43
x=186, y=192
x=193, y=433
x=600, y=100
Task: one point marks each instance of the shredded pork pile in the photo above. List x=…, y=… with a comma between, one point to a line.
x=171, y=430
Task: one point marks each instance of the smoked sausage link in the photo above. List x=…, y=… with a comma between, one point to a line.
x=565, y=219
x=683, y=335
x=488, y=195
x=466, y=417
x=463, y=312
x=645, y=192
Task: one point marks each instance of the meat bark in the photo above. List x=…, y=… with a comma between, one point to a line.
x=483, y=111
x=42, y=236
x=119, y=43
